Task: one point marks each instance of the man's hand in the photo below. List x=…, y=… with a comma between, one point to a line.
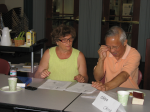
x=100, y=86
x=99, y=68
x=79, y=78
x=102, y=52
x=45, y=73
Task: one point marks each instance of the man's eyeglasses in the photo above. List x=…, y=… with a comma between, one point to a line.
x=66, y=40
x=113, y=47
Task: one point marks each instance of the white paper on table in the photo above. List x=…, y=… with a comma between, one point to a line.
x=95, y=94
x=55, y=85
x=106, y=103
x=91, y=96
x=81, y=88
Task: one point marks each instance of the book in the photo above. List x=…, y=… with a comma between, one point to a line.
x=23, y=81
x=28, y=65
x=138, y=98
x=20, y=83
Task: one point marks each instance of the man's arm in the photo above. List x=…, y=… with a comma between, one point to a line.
x=99, y=70
x=115, y=82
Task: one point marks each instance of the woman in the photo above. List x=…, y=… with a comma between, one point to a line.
x=63, y=62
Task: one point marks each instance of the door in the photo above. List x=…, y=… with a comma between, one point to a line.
x=123, y=13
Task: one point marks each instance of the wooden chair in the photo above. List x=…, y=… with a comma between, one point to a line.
x=139, y=78
x=4, y=67
x=103, y=80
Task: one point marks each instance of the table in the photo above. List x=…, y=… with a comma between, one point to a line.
x=41, y=99
x=39, y=45
x=53, y=100
x=85, y=104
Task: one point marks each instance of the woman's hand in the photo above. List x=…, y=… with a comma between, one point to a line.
x=79, y=78
x=45, y=73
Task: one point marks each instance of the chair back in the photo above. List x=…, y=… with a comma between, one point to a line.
x=103, y=80
x=4, y=67
x=139, y=77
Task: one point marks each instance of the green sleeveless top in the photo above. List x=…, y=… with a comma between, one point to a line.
x=63, y=69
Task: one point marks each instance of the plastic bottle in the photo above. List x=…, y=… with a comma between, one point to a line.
x=13, y=71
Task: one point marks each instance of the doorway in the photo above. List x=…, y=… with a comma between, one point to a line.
x=61, y=12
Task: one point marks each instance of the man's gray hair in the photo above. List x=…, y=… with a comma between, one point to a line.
x=116, y=30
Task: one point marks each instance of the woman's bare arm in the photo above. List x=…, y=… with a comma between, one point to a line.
x=82, y=68
x=42, y=71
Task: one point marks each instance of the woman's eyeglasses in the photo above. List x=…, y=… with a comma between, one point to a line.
x=66, y=40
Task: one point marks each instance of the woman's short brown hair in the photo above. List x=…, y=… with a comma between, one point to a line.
x=62, y=31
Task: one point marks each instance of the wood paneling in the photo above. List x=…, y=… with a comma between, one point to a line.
x=48, y=22
x=105, y=25
x=76, y=16
x=135, y=27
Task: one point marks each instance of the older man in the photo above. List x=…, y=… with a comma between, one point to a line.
x=117, y=61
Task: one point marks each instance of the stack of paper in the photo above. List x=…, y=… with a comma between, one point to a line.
x=21, y=67
x=28, y=65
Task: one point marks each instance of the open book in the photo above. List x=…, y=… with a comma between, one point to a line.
x=67, y=86
x=55, y=85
